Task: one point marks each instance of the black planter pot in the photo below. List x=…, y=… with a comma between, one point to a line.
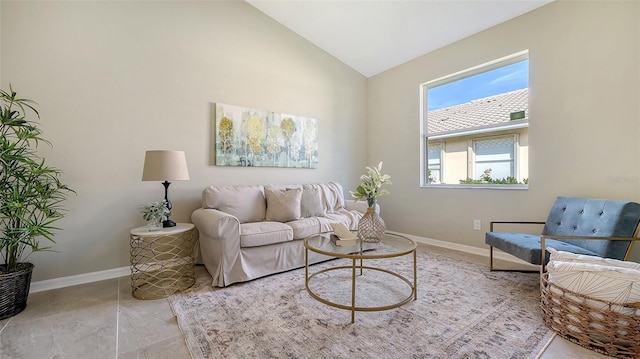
x=14, y=290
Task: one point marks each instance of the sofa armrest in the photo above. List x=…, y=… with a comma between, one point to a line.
x=219, y=241
x=209, y=221
x=359, y=206
x=351, y=205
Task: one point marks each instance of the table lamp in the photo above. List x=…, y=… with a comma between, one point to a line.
x=163, y=165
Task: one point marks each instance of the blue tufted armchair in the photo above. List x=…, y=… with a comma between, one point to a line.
x=600, y=227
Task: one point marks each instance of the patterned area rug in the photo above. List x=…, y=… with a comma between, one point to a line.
x=462, y=311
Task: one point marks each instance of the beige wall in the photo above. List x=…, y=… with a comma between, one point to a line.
x=584, y=132
x=114, y=79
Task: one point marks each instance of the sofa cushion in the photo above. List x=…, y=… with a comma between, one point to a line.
x=243, y=202
x=311, y=201
x=325, y=224
x=264, y=233
x=283, y=205
x=305, y=227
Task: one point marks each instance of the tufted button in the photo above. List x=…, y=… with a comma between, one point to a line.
x=564, y=209
x=601, y=213
x=594, y=230
x=581, y=211
x=559, y=223
x=575, y=227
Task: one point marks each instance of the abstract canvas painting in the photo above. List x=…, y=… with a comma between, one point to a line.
x=248, y=137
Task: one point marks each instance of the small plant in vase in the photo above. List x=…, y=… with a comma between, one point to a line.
x=371, y=187
x=371, y=227
x=155, y=213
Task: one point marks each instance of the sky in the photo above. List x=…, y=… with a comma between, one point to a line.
x=508, y=78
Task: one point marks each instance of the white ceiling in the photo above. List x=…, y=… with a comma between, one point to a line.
x=372, y=36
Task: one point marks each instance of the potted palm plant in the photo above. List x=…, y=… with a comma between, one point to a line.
x=31, y=197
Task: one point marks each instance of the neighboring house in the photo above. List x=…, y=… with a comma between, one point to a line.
x=487, y=133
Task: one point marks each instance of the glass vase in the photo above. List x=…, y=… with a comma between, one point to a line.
x=154, y=226
x=371, y=227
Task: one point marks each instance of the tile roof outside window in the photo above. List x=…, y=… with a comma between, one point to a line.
x=482, y=112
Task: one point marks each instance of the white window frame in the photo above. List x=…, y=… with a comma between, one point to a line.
x=441, y=159
x=473, y=159
x=424, y=139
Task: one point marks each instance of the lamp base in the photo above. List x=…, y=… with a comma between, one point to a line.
x=168, y=223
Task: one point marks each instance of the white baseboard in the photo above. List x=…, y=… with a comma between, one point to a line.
x=69, y=281
x=62, y=282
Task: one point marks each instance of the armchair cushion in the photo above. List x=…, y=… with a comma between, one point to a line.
x=527, y=246
x=591, y=217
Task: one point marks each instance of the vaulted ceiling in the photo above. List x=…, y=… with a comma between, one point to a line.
x=373, y=36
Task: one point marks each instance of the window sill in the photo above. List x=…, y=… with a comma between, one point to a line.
x=519, y=187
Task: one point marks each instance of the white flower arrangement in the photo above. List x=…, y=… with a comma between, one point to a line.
x=370, y=188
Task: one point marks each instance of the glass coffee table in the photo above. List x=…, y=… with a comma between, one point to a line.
x=393, y=245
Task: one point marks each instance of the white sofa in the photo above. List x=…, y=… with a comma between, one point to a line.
x=247, y=232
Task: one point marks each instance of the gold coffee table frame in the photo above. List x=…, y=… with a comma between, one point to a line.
x=393, y=245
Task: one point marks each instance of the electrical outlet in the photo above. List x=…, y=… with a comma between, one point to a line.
x=476, y=224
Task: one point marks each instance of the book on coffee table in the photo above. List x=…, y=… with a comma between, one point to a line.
x=342, y=236
x=343, y=242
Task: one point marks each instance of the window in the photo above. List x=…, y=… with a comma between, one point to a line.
x=434, y=163
x=475, y=125
x=494, y=157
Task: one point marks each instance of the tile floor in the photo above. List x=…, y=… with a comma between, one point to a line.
x=102, y=320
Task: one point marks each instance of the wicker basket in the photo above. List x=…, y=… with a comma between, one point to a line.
x=613, y=331
x=14, y=290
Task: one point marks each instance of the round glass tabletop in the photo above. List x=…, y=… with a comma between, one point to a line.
x=392, y=245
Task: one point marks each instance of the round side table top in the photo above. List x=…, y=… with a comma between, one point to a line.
x=180, y=227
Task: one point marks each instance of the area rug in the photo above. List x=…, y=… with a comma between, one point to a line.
x=463, y=311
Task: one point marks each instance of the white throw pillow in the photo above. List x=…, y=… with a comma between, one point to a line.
x=283, y=205
x=583, y=258
x=244, y=202
x=311, y=202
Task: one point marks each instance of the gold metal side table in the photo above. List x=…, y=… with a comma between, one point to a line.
x=162, y=261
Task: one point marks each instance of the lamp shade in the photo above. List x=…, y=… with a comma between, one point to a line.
x=162, y=165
